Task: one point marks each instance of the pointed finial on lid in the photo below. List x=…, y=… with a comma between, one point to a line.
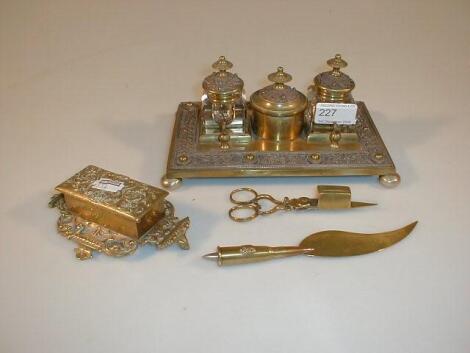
x=222, y=64
x=279, y=77
x=337, y=63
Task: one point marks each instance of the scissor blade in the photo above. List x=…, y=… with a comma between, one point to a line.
x=361, y=204
x=339, y=243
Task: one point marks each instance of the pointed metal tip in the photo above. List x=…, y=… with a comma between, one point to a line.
x=411, y=226
x=362, y=204
x=211, y=256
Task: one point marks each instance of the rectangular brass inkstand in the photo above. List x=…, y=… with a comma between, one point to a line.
x=278, y=132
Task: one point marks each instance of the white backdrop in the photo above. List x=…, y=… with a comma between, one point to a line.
x=98, y=82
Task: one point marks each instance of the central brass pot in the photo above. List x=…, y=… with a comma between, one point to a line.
x=278, y=109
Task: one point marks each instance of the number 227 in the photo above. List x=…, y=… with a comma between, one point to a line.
x=327, y=112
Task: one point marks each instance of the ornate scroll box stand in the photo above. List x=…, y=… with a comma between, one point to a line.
x=110, y=213
x=188, y=158
x=91, y=237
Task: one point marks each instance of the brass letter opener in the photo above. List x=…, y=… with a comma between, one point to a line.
x=330, y=197
x=326, y=243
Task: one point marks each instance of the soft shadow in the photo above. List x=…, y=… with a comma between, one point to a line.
x=401, y=136
x=265, y=182
x=33, y=212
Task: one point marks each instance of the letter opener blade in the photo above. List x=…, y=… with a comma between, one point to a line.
x=325, y=243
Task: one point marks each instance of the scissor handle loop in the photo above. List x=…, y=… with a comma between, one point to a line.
x=253, y=207
x=240, y=190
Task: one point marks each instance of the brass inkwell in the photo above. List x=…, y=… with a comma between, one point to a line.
x=278, y=132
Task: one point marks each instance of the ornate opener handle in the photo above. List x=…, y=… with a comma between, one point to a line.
x=244, y=254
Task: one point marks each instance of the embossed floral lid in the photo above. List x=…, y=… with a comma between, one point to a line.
x=115, y=192
x=278, y=99
x=223, y=86
x=334, y=85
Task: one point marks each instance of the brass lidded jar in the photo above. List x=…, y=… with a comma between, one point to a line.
x=334, y=86
x=223, y=86
x=223, y=90
x=278, y=109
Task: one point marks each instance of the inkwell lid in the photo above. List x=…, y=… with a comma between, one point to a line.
x=278, y=99
x=334, y=86
x=223, y=86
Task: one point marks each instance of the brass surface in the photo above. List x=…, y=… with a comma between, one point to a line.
x=334, y=86
x=331, y=87
x=334, y=196
x=171, y=184
x=132, y=210
x=234, y=255
x=270, y=158
x=239, y=128
x=223, y=86
x=323, y=134
x=274, y=134
x=390, y=180
x=223, y=90
x=326, y=243
x=340, y=243
x=278, y=109
x=330, y=197
x=90, y=236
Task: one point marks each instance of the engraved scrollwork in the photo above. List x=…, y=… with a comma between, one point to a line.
x=134, y=198
x=300, y=203
x=118, y=248
x=335, y=82
x=169, y=231
x=186, y=143
x=247, y=250
x=92, y=237
x=186, y=129
x=222, y=82
x=274, y=95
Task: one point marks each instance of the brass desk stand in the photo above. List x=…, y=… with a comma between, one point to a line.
x=276, y=132
x=189, y=159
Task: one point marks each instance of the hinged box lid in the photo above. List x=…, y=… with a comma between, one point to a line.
x=113, y=200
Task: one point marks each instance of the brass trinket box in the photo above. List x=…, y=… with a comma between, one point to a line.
x=114, y=201
x=113, y=214
x=276, y=132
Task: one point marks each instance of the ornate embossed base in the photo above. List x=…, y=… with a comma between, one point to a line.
x=190, y=159
x=92, y=237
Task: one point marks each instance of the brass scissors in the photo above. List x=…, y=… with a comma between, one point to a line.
x=331, y=197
